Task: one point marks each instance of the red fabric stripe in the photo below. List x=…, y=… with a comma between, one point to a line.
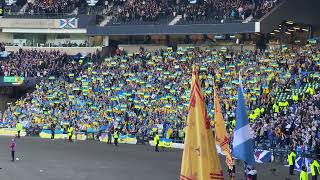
x=195, y=90
x=182, y=176
x=216, y=174
x=223, y=143
x=198, y=90
x=216, y=177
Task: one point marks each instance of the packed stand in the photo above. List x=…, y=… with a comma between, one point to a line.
x=141, y=10
x=202, y=11
x=14, y=7
x=51, y=6
x=34, y=63
x=210, y=11
x=140, y=92
x=297, y=126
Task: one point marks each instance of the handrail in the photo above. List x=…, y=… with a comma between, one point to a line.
x=39, y=15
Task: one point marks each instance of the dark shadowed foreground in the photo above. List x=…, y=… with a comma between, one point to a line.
x=41, y=159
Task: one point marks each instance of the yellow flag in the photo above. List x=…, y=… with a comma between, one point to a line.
x=169, y=132
x=221, y=132
x=200, y=160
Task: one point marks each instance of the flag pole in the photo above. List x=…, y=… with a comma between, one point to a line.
x=243, y=145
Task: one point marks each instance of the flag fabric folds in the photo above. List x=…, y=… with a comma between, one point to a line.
x=200, y=160
x=169, y=132
x=221, y=137
x=262, y=156
x=242, y=142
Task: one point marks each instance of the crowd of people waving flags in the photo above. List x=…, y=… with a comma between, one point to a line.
x=136, y=92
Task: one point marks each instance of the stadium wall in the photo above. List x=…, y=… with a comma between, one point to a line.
x=6, y=37
x=153, y=47
x=228, y=28
x=87, y=20
x=236, y=47
x=31, y=23
x=72, y=38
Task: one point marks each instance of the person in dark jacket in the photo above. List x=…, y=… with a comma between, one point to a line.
x=53, y=129
x=116, y=137
x=109, y=136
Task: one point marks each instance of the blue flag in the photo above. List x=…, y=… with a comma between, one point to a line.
x=242, y=142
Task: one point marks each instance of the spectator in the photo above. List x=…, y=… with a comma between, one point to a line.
x=143, y=91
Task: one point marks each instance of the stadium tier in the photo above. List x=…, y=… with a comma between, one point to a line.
x=136, y=91
x=147, y=12
x=202, y=12
x=238, y=78
x=33, y=63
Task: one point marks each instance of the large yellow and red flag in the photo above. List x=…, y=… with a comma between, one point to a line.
x=220, y=131
x=200, y=160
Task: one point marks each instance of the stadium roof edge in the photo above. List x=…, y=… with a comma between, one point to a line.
x=227, y=28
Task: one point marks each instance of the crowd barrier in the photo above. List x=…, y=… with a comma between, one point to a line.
x=261, y=155
x=46, y=134
x=163, y=142
x=11, y=132
x=123, y=139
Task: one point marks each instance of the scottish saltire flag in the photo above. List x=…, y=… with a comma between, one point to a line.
x=68, y=23
x=262, y=156
x=299, y=162
x=242, y=140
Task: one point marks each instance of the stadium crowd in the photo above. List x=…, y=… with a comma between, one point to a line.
x=218, y=10
x=34, y=63
x=51, y=6
x=153, y=10
x=143, y=91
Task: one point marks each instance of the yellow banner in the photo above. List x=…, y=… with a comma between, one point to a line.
x=200, y=160
x=221, y=137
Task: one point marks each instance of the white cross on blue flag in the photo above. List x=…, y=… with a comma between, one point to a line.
x=242, y=142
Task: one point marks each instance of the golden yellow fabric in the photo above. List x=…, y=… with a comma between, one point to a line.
x=200, y=159
x=221, y=137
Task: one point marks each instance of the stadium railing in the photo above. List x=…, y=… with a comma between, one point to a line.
x=39, y=15
x=67, y=50
x=163, y=20
x=208, y=20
